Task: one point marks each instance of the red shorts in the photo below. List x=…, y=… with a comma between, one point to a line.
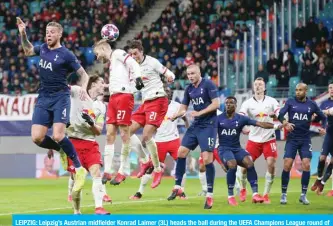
x=120, y=109
x=256, y=149
x=170, y=147
x=215, y=157
x=88, y=153
x=151, y=112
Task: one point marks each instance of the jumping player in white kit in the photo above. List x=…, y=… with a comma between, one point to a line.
x=150, y=114
x=124, y=70
x=261, y=108
x=167, y=141
x=86, y=122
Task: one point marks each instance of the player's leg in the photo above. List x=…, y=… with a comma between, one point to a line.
x=327, y=146
x=206, y=138
x=70, y=186
x=288, y=159
x=136, y=146
x=306, y=156
x=244, y=159
x=326, y=176
x=328, y=173
x=231, y=166
x=270, y=154
x=202, y=177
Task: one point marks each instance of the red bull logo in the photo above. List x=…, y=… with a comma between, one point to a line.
x=261, y=115
x=89, y=112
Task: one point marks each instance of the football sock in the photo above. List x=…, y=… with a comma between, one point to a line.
x=108, y=157
x=144, y=180
x=305, y=181
x=203, y=180
x=285, y=181
x=231, y=179
x=180, y=170
x=137, y=147
x=328, y=173
x=49, y=143
x=252, y=177
x=320, y=169
x=210, y=174
x=152, y=148
x=98, y=191
x=268, y=182
x=68, y=148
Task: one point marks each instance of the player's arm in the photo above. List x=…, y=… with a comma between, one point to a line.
x=28, y=48
x=186, y=121
x=265, y=125
x=212, y=107
x=183, y=107
x=323, y=118
x=283, y=112
x=276, y=110
x=84, y=77
x=170, y=76
x=132, y=65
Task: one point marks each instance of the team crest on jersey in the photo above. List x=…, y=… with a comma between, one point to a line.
x=309, y=109
x=300, y=116
x=236, y=123
x=45, y=64
x=56, y=57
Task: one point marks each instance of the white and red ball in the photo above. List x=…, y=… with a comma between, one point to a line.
x=110, y=32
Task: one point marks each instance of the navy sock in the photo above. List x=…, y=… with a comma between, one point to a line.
x=210, y=175
x=285, y=181
x=49, y=143
x=69, y=149
x=180, y=170
x=320, y=169
x=328, y=172
x=305, y=181
x=252, y=177
x=231, y=179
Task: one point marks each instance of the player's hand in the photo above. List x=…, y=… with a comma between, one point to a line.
x=170, y=79
x=139, y=83
x=195, y=114
x=313, y=117
x=83, y=95
x=50, y=154
x=289, y=126
x=272, y=115
x=20, y=25
x=326, y=112
x=322, y=131
x=88, y=119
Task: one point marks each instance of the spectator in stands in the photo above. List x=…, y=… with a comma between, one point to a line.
x=283, y=56
x=282, y=77
x=322, y=31
x=291, y=65
x=262, y=73
x=308, y=74
x=308, y=54
x=272, y=65
x=311, y=29
x=328, y=50
x=322, y=77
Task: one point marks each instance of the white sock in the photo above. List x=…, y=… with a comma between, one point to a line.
x=138, y=148
x=152, y=148
x=268, y=182
x=241, y=177
x=144, y=180
x=70, y=185
x=124, y=160
x=98, y=191
x=104, y=190
x=108, y=157
x=209, y=194
x=183, y=182
x=203, y=180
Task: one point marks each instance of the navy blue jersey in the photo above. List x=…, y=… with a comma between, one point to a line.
x=300, y=114
x=229, y=130
x=324, y=106
x=54, y=67
x=201, y=97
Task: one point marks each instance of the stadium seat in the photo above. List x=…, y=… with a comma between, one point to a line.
x=89, y=55
x=216, y=3
x=1, y=19
x=212, y=17
x=312, y=91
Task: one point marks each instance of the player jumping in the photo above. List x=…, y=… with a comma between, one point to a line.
x=203, y=95
x=167, y=141
x=230, y=126
x=300, y=111
x=150, y=114
x=86, y=122
x=327, y=108
x=261, y=141
x=53, y=102
x=123, y=69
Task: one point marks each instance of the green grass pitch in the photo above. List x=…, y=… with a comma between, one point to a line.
x=32, y=196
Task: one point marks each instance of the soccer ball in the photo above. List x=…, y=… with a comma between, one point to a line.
x=110, y=32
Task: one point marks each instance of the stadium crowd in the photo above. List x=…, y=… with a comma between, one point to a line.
x=188, y=31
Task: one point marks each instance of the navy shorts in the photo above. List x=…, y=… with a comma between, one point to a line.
x=196, y=135
x=228, y=154
x=327, y=145
x=303, y=147
x=52, y=108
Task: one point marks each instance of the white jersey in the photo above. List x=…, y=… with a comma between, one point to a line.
x=123, y=71
x=151, y=69
x=168, y=130
x=260, y=111
x=95, y=108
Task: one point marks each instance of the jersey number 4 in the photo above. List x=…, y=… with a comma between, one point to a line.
x=121, y=114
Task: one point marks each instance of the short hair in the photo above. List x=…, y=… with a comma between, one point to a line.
x=231, y=98
x=193, y=65
x=55, y=24
x=260, y=79
x=136, y=44
x=92, y=79
x=101, y=42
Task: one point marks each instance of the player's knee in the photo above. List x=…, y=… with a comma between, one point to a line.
x=58, y=137
x=182, y=152
x=94, y=171
x=202, y=168
x=306, y=164
x=322, y=158
x=232, y=164
x=287, y=166
x=37, y=139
